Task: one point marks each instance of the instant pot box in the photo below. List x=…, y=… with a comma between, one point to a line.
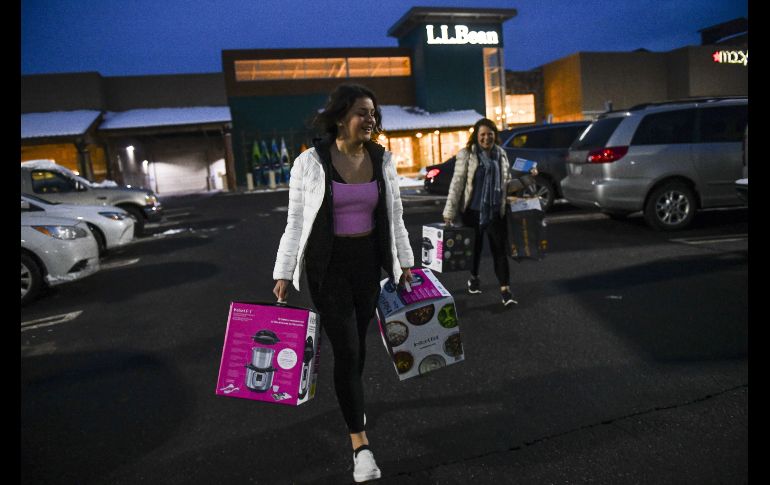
x=526, y=229
x=419, y=328
x=446, y=249
x=271, y=353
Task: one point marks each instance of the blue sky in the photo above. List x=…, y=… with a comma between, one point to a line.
x=137, y=37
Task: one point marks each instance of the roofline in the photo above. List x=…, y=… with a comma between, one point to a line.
x=417, y=15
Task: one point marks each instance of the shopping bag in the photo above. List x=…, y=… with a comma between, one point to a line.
x=419, y=328
x=271, y=353
x=526, y=229
x=447, y=248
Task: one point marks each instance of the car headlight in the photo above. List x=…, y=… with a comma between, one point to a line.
x=151, y=199
x=62, y=232
x=115, y=216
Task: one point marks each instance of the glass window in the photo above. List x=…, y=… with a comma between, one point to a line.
x=401, y=147
x=46, y=182
x=519, y=108
x=597, y=134
x=322, y=68
x=494, y=85
x=530, y=139
x=563, y=137
x=452, y=142
x=666, y=128
x=723, y=124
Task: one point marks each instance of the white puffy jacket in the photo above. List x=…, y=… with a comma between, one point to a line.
x=306, y=192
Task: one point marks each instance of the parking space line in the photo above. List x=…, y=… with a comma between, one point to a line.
x=119, y=264
x=575, y=218
x=49, y=321
x=712, y=239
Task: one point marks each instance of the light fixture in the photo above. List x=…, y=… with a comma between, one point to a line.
x=130, y=148
x=418, y=135
x=436, y=132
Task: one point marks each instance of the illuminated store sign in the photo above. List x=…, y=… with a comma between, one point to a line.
x=462, y=35
x=731, y=57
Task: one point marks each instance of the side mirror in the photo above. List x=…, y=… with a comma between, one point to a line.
x=24, y=205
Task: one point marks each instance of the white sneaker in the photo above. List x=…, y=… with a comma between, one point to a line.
x=364, y=467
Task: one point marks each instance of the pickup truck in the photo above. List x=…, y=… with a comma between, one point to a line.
x=59, y=184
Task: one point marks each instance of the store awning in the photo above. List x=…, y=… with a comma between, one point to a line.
x=402, y=118
x=164, y=117
x=57, y=123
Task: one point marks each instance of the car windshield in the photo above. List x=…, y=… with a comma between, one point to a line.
x=39, y=199
x=597, y=134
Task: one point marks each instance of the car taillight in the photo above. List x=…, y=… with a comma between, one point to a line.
x=606, y=155
x=433, y=173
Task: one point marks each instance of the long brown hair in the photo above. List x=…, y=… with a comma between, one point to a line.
x=474, y=138
x=339, y=103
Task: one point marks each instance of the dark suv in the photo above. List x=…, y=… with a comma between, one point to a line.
x=545, y=144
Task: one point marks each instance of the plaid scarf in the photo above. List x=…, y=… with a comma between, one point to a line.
x=491, y=193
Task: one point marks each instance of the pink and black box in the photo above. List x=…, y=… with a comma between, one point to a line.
x=271, y=353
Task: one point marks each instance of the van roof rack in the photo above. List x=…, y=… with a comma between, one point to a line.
x=695, y=99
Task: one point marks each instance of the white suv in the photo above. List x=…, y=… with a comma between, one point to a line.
x=666, y=159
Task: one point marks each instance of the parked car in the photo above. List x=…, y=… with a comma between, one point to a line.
x=59, y=184
x=111, y=226
x=438, y=177
x=666, y=159
x=54, y=250
x=545, y=144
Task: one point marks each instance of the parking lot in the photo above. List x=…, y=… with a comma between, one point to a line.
x=625, y=357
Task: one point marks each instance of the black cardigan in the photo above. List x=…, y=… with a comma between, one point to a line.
x=321, y=239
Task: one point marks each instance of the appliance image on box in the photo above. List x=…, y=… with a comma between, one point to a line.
x=419, y=328
x=307, y=360
x=427, y=251
x=447, y=248
x=271, y=353
x=259, y=373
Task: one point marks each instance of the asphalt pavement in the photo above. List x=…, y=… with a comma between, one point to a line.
x=625, y=361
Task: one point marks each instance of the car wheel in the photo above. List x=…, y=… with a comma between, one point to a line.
x=544, y=189
x=101, y=241
x=138, y=218
x=31, y=278
x=670, y=207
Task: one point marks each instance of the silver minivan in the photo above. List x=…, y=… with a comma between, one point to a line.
x=666, y=159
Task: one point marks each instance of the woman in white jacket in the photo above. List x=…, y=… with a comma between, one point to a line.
x=344, y=225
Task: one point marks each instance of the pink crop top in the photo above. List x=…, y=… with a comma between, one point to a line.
x=354, y=207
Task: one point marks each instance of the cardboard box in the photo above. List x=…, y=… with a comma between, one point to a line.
x=420, y=328
x=446, y=249
x=271, y=353
x=526, y=229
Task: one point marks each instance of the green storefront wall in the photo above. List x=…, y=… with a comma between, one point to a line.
x=448, y=76
x=267, y=118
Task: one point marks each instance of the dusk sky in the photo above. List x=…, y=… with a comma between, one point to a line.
x=136, y=37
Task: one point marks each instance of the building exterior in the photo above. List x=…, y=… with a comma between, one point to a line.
x=584, y=84
x=168, y=133
x=446, y=73
x=198, y=132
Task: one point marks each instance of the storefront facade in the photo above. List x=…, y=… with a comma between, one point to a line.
x=446, y=74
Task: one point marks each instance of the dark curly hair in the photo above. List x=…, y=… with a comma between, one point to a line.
x=474, y=138
x=339, y=103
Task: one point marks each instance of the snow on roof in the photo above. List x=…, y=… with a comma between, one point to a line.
x=56, y=123
x=143, y=118
x=396, y=118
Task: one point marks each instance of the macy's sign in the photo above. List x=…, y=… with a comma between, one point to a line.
x=731, y=57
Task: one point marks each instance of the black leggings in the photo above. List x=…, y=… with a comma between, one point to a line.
x=497, y=233
x=346, y=299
